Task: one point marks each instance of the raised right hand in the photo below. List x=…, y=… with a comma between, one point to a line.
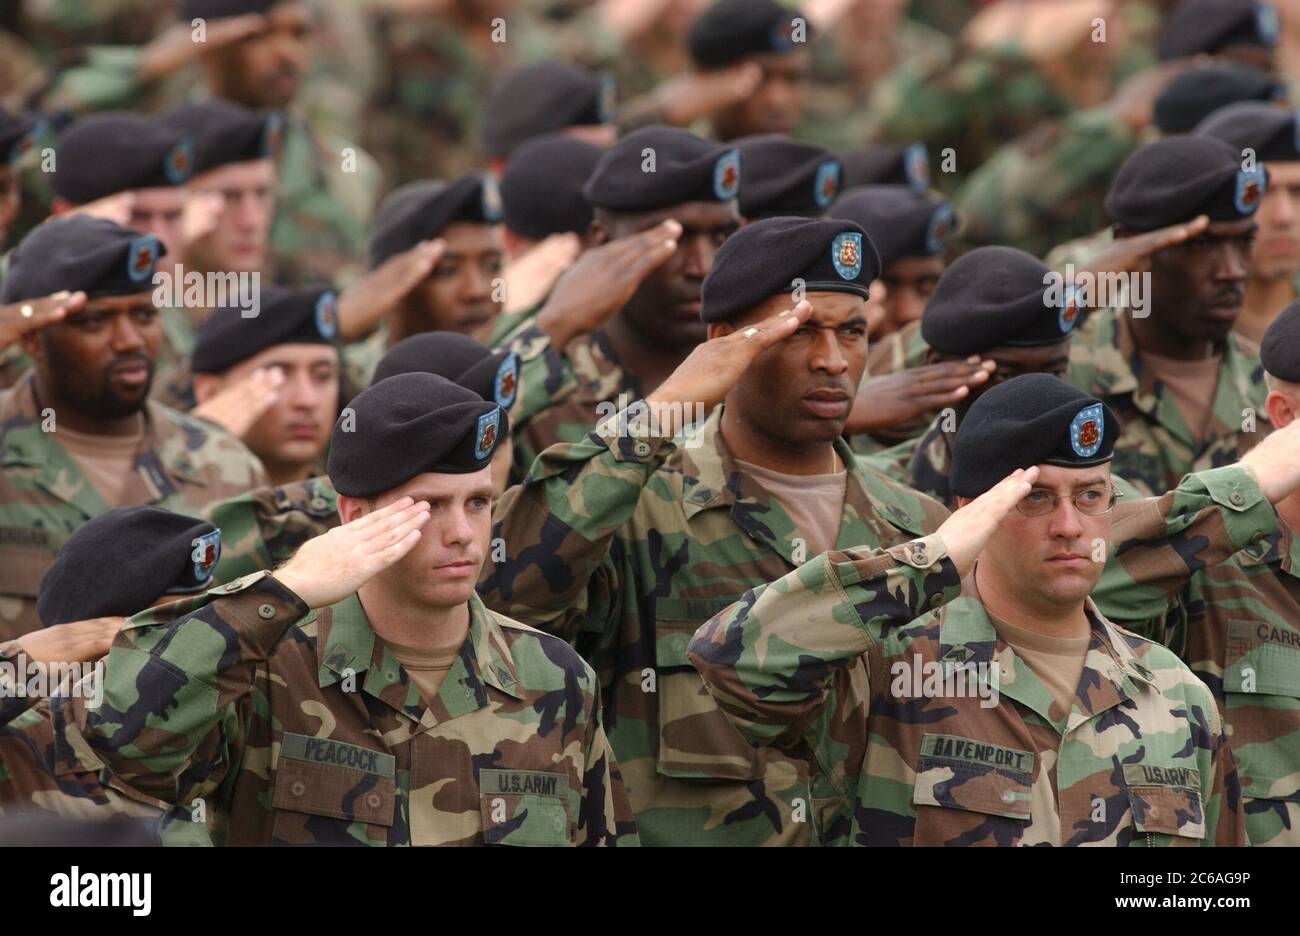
x=19, y=318
x=900, y=398
x=969, y=528
x=238, y=407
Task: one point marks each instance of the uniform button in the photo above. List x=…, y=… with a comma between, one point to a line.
x=266, y=611
x=298, y=788
x=373, y=801
x=642, y=449
x=936, y=600
x=1236, y=500
x=318, y=503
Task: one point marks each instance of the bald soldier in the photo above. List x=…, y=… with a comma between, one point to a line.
x=1269, y=133
x=462, y=293
x=666, y=533
x=1235, y=623
x=1187, y=389
x=962, y=689
x=79, y=435
x=392, y=707
x=114, y=565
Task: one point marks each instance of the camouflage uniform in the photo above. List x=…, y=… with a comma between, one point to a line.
x=624, y=547
x=47, y=766
x=300, y=727
x=263, y=528
x=1237, y=624
x=183, y=465
x=1047, y=186
x=1155, y=448
x=825, y=665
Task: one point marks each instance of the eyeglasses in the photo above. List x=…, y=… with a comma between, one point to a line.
x=1094, y=502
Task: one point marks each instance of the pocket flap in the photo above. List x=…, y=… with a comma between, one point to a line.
x=331, y=778
x=527, y=819
x=1165, y=800
x=1262, y=658
x=964, y=773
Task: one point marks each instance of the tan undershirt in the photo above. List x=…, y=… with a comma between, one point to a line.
x=1056, y=661
x=814, y=502
x=427, y=668
x=1192, y=385
x=106, y=461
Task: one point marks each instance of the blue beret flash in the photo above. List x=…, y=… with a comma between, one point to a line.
x=327, y=319
x=141, y=255
x=827, y=184
x=204, y=552
x=488, y=426
x=846, y=254
x=726, y=175
x=1086, y=430
x=506, y=380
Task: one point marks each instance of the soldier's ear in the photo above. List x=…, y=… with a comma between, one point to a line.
x=1281, y=408
x=718, y=329
x=206, y=386
x=353, y=508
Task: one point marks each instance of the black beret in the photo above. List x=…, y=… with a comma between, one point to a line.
x=1177, y=178
x=686, y=168
x=78, y=252
x=217, y=9
x=995, y=296
x=1272, y=132
x=764, y=258
x=122, y=561
x=1033, y=419
x=408, y=425
x=541, y=189
x=542, y=98
x=1208, y=26
x=900, y=221
x=1279, y=351
x=224, y=132
x=887, y=165
x=1199, y=92
x=493, y=375
x=286, y=316
x=785, y=176
x=420, y=210
x=731, y=30
x=104, y=154
x=16, y=133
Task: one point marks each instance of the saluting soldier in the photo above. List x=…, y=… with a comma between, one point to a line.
x=665, y=533
x=448, y=724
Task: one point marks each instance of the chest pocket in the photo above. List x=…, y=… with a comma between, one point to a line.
x=971, y=792
x=332, y=793
x=1261, y=683
x=525, y=807
x=1165, y=801
x=696, y=742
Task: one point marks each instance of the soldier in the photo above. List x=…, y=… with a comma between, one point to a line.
x=1059, y=727
x=80, y=435
x=1243, y=31
x=765, y=33
x=542, y=98
x=1188, y=391
x=784, y=176
x=671, y=221
x=292, y=342
x=114, y=565
x=668, y=533
x=886, y=164
x=447, y=724
x=1235, y=622
x=463, y=293
x=1268, y=133
x=994, y=303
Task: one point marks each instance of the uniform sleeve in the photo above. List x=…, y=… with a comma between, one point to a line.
x=545, y=379
x=606, y=818
x=559, y=526
x=177, y=696
x=265, y=527
x=770, y=659
x=1225, y=817
x=12, y=703
x=1158, y=544
x=108, y=78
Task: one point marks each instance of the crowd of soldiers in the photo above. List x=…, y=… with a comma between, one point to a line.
x=659, y=422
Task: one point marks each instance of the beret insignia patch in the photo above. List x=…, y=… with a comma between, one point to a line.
x=726, y=175
x=1086, y=430
x=846, y=254
x=782, y=36
x=605, y=99
x=1266, y=24
x=327, y=318
x=916, y=166
x=141, y=255
x=491, y=201
x=941, y=222
x=1250, y=188
x=179, y=162
x=506, y=381
x=204, y=552
x=827, y=184
x=272, y=135
x=486, y=434
x=1069, y=315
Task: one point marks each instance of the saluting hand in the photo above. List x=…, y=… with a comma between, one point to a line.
x=328, y=568
x=531, y=277
x=19, y=318
x=969, y=528
x=238, y=407
x=368, y=299
x=713, y=368
x=898, y=399
x=1275, y=462
x=73, y=642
